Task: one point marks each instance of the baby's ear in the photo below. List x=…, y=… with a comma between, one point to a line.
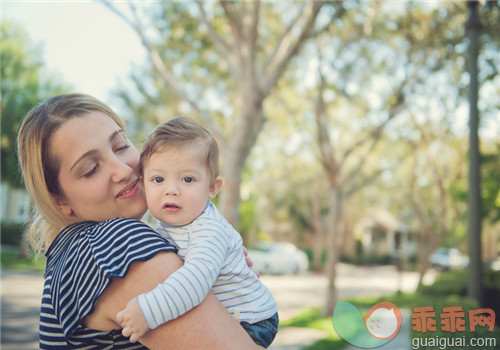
x=215, y=187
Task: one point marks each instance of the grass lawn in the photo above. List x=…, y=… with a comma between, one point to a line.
x=11, y=258
x=447, y=291
x=313, y=318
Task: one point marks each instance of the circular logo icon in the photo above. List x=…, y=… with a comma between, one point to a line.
x=380, y=324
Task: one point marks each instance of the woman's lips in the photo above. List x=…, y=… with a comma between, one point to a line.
x=129, y=191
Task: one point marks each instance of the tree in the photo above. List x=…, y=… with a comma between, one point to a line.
x=344, y=163
x=255, y=55
x=419, y=46
x=23, y=85
x=474, y=28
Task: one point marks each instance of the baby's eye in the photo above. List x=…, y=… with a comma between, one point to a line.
x=188, y=179
x=158, y=179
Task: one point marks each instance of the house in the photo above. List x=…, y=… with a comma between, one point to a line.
x=382, y=235
x=15, y=204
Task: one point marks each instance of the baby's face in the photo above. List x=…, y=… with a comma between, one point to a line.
x=382, y=323
x=178, y=185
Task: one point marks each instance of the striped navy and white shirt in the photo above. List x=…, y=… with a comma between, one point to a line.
x=80, y=264
x=213, y=259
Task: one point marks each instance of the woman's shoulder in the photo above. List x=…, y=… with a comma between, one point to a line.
x=86, y=256
x=117, y=242
x=120, y=228
x=113, y=244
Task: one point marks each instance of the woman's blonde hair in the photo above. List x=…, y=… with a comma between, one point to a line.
x=40, y=167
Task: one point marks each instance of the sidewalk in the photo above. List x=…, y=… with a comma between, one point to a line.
x=21, y=297
x=293, y=338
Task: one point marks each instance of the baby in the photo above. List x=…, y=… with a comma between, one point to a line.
x=179, y=173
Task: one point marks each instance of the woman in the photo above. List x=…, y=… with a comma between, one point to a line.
x=80, y=170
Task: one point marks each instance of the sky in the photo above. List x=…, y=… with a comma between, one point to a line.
x=83, y=42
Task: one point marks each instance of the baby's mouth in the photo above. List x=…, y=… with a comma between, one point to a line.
x=171, y=207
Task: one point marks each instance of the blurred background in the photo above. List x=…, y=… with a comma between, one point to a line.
x=360, y=140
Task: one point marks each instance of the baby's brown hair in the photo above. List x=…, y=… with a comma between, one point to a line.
x=181, y=132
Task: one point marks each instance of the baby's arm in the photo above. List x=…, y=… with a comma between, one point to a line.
x=186, y=288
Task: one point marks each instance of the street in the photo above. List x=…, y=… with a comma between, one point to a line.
x=21, y=294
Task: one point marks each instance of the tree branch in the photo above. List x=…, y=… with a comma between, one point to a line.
x=160, y=66
x=223, y=47
x=253, y=25
x=233, y=18
x=325, y=145
x=339, y=11
x=289, y=45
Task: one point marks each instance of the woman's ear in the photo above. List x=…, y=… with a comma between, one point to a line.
x=62, y=205
x=215, y=187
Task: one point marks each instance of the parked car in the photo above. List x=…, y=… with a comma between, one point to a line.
x=278, y=258
x=448, y=259
x=493, y=264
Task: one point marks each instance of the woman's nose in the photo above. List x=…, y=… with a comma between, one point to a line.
x=121, y=170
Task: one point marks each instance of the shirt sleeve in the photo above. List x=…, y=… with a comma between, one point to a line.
x=86, y=264
x=189, y=285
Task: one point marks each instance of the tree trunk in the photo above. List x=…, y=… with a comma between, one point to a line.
x=240, y=144
x=319, y=242
x=332, y=249
x=474, y=279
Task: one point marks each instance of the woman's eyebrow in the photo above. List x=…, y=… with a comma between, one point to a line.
x=85, y=155
x=94, y=151
x=116, y=133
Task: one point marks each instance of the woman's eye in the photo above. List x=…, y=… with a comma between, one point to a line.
x=188, y=179
x=158, y=179
x=122, y=148
x=91, y=172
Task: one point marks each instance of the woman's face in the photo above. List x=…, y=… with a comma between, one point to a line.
x=98, y=169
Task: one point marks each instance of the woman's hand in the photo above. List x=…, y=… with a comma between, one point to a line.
x=249, y=261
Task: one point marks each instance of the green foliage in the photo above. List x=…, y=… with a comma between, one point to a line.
x=197, y=68
x=11, y=258
x=313, y=318
x=309, y=318
x=374, y=51
x=23, y=85
x=449, y=283
x=490, y=172
x=453, y=285
x=448, y=290
x=248, y=219
x=11, y=233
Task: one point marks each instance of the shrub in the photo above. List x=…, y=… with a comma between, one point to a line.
x=12, y=233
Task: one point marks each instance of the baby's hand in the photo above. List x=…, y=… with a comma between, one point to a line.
x=132, y=321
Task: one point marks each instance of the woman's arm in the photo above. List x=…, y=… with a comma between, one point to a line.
x=207, y=326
